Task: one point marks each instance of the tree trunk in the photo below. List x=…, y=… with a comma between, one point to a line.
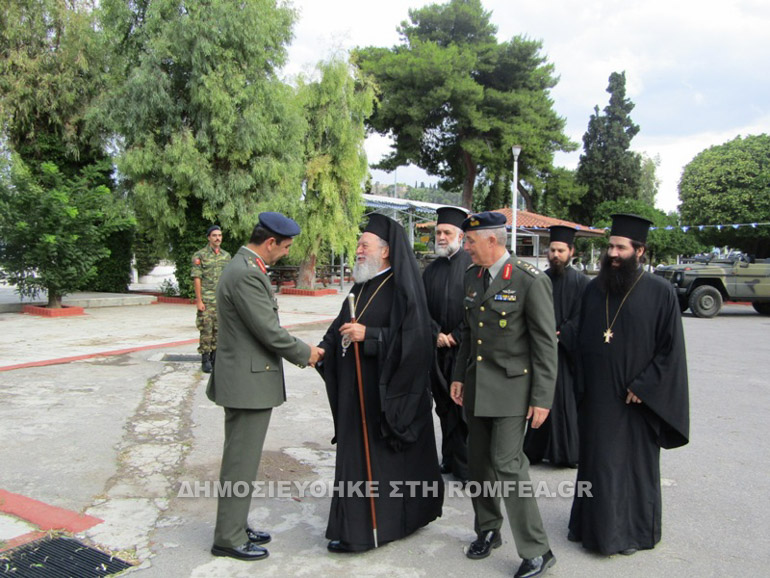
x=307, y=273
x=468, y=182
x=54, y=299
x=527, y=199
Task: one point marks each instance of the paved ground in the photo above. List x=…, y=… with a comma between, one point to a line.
x=119, y=437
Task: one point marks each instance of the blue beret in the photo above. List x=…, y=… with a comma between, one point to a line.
x=279, y=224
x=485, y=220
x=213, y=228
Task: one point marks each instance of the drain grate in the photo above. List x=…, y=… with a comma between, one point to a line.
x=58, y=557
x=193, y=357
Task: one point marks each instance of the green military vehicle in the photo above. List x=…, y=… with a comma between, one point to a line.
x=704, y=286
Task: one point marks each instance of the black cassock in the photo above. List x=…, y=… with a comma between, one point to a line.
x=395, y=369
x=557, y=439
x=443, y=281
x=620, y=443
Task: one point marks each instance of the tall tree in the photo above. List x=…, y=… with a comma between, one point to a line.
x=649, y=183
x=455, y=100
x=607, y=167
x=336, y=107
x=57, y=208
x=209, y=132
x=729, y=184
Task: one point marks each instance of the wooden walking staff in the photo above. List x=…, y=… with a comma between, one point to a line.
x=352, y=305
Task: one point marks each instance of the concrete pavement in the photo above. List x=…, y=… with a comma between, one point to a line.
x=120, y=431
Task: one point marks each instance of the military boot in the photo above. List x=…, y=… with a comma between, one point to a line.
x=206, y=366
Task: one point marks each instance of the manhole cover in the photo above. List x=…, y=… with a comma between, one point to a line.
x=58, y=557
x=183, y=357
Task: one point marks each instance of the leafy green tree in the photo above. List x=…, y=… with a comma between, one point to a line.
x=649, y=183
x=209, y=133
x=561, y=194
x=336, y=107
x=455, y=100
x=54, y=228
x=729, y=184
x=57, y=188
x=607, y=168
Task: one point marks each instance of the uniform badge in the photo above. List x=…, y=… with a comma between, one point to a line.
x=261, y=265
x=507, y=272
x=503, y=323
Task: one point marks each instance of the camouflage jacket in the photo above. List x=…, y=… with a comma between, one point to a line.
x=208, y=265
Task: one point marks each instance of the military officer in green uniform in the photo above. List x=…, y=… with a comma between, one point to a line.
x=207, y=266
x=505, y=374
x=248, y=376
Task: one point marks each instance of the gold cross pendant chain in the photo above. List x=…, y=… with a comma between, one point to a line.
x=608, y=334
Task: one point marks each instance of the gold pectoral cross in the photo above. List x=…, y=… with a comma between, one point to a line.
x=608, y=335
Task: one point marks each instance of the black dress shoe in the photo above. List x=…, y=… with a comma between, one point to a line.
x=340, y=547
x=629, y=551
x=257, y=537
x=535, y=566
x=482, y=546
x=572, y=537
x=248, y=551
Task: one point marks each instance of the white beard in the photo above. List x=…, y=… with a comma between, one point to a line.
x=363, y=272
x=448, y=250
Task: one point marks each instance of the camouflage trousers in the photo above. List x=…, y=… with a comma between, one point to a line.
x=206, y=322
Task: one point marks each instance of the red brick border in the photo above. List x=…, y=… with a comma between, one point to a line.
x=64, y=311
x=176, y=300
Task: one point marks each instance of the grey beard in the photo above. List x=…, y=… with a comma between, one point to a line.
x=363, y=272
x=450, y=249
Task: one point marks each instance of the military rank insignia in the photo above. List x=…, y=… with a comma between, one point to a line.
x=507, y=272
x=508, y=295
x=261, y=265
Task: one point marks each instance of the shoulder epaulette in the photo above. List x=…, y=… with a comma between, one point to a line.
x=527, y=268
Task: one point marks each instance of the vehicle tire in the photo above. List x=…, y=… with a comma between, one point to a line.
x=683, y=304
x=763, y=308
x=705, y=301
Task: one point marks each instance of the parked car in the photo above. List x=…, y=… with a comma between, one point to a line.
x=703, y=287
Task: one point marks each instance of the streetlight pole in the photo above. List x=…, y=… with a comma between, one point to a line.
x=516, y=149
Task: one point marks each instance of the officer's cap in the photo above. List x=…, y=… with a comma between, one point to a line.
x=279, y=224
x=485, y=220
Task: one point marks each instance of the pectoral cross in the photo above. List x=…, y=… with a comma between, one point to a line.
x=608, y=335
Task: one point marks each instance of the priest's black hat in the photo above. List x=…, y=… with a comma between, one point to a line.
x=485, y=220
x=279, y=224
x=451, y=216
x=562, y=234
x=379, y=225
x=630, y=226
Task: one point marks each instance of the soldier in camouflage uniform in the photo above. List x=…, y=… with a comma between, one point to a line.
x=207, y=265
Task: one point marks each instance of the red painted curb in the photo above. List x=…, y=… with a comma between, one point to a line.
x=64, y=311
x=61, y=360
x=307, y=292
x=175, y=300
x=44, y=516
x=21, y=540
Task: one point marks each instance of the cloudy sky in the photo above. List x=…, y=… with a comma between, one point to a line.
x=695, y=69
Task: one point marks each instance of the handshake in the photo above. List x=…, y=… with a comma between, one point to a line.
x=316, y=355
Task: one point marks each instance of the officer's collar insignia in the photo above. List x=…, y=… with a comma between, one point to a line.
x=261, y=265
x=507, y=271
